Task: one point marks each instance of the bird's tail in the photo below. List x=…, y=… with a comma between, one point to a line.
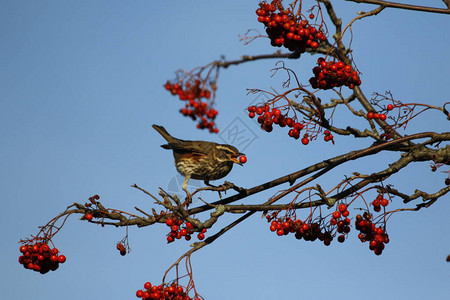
x=162, y=131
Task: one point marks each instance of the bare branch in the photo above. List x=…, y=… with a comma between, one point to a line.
x=407, y=6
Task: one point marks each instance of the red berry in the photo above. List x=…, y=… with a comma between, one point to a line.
x=61, y=259
x=23, y=248
x=174, y=228
x=342, y=207
x=390, y=107
x=147, y=285
x=201, y=236
x=139, y=293
x=169, y=222
x=243, y=159
x=336, y=215
x=384, y=202
x=370, y=115
x=88, y=216
x=305, y=141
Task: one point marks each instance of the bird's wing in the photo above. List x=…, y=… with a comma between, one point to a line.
x=185, y=146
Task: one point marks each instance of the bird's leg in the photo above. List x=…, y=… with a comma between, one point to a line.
x=184, y=187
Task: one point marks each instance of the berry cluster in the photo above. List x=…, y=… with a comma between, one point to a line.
x=268, y=117
x=177, y=231
x=378, y=202
x=195, y=108
x=308, y=231
x=288, y=30
x=40, y=257
x=330, y=74
x=121, y=249
x=371, y=115
x=340, y=219
x=376, y=236
x=170, y=292
x=327, y=136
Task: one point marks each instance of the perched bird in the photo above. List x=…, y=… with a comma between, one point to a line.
x=199, y=159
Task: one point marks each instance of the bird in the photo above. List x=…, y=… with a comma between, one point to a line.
x=200, y=160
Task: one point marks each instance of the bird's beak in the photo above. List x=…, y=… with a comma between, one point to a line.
x=236, y=160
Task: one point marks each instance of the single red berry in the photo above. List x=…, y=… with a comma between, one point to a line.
x=382, y=117
x=169, y=222
x=243, y=159
x=23, y=248
x=305, y=141
x=280, y=232
x=189, y=225
x=201, y=236
x=147, y=285
x=370, y=115
x=341, y=238
x=88, y=216
x=336, y=214
x=384, y=202
x=174, y=228
x=61, y=259
x=345, y=213
x=44, y=248
x=311, y=16
x=342, y=207
x=139, y=293
x=390, y=107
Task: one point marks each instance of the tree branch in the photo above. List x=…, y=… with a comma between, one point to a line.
x=408, y=6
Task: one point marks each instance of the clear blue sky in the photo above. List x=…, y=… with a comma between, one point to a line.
x=81, y=84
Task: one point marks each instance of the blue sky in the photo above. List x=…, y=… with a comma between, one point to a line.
x=81, y=84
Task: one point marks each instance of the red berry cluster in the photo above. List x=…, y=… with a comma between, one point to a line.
x=378, y=202
x=40, y=257
x=341, y=220
x=330, y=74
x=195, y=107
x=268, y=117
x=121, y=249
x=376, y=236
x=327, y=136
x=177, y=231
x=371, y=115
x=288, y=30
x=170, y=292
x=308, y=231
